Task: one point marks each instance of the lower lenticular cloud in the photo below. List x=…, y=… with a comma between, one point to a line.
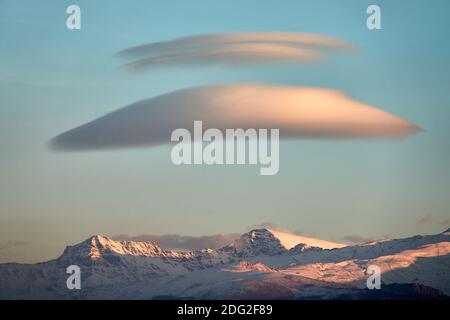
x=235, y=48
x=299, y=112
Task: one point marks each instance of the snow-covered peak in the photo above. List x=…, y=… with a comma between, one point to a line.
x=290, y=240
x=272, y=242
x=130, y=248
x=98, y=245
x=256, y=242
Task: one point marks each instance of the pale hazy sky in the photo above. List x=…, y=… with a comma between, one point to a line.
x=53, y=79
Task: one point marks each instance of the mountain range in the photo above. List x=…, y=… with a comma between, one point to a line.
x=260, y=264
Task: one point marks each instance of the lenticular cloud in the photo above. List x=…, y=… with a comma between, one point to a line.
x=235, y=48
x=299, y=112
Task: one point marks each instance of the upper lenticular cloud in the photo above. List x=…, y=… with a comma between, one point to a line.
x=287, y=38
x=298, y=112
x=242, y=53
x=235, y=48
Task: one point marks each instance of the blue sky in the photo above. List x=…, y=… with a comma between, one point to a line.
x=53, y=79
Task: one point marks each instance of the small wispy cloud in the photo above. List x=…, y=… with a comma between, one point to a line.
x=12, y=244
x=355, y=239
x=263, y=225
x=428, y=219
x=446, y=222
x=179, y=242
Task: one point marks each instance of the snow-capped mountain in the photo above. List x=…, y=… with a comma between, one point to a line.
x=270, y=242
x=262, y=263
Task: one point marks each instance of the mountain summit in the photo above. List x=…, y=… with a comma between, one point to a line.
x=290, y=240
x=98, y=245
x=270, y=242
